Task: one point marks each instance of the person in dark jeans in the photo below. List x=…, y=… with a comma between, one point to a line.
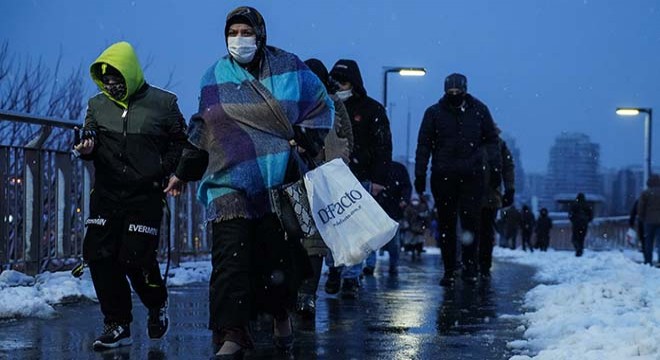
x=134, y=133
x=649, y=214
x=527, y=222
x=511, y=226
x=370, y=159
x=452, y=135
x=543, y=227
x=580, y=215
x=494, y=200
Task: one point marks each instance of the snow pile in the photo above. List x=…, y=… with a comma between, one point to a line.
x=22, y=295
x=26, y=296
x=189, y=273
x=601, y=306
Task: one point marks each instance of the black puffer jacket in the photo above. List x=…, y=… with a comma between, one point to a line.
x=139, y=138
x=138, y=147
x=372, y=149
x=453, y=138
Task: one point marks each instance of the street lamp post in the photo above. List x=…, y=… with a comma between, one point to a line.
x=403, y=71
x=647, y=135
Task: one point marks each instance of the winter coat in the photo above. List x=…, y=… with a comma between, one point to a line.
x=543, y=225
x=139, y=138
x=372, y=150
x=527, y=221
x=580, y=213
x=494, y=179
x=649, y=203
x=398, y=190
x=512, y=219
x=453, y=139
x=339, y=141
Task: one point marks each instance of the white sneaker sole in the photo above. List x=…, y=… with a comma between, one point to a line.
x=101, y=346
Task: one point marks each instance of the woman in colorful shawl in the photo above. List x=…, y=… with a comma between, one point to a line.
x=254, y=104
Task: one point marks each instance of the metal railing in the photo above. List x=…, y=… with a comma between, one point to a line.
x=44, y=199
x=603, y=234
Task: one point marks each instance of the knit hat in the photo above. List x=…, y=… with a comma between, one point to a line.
x=456, y=81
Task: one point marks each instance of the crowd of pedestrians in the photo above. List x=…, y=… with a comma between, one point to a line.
x=264, y=117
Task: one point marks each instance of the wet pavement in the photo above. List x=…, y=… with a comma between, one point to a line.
x=408, y=316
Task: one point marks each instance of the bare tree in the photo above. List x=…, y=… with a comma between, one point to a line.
x=30, y=87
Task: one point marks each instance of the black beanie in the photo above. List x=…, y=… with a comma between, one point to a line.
x=456, y=81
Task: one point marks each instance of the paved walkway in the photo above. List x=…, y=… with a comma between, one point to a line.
x=404, y=317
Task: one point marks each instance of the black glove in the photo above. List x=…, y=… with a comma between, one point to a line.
x=507, y=199
x=420, y=185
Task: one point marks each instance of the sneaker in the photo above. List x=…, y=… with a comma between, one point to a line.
x=158, y=322
x=114, y=335
x=333, y=283
x=349, y=289
x=447, y=279
x=368, y=271
x=306, y=306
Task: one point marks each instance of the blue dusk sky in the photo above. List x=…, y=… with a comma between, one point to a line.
x=543, y=67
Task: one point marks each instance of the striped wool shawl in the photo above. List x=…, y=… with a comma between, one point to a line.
x=241, y=124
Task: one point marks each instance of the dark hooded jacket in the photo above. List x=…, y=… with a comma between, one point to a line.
x=372, y=149
x=543, y=224
x=398, y=189
x=649, y=202
x=580, y=212
x=139, y=137
x=453, y=139
x=494, y=179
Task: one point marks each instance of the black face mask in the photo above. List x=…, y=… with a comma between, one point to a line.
x=455, y=100
x=117, y=90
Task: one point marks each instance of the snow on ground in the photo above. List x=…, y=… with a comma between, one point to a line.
x=602, y=306
x=25, y=296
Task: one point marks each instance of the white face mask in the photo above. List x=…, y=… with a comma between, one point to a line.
x=343, y=95
x=242, y=48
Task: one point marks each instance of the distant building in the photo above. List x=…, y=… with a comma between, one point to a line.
x=626, y=188
x=573, y=167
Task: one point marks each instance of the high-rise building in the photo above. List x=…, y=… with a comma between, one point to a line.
x=626, y=188
x=574, y=167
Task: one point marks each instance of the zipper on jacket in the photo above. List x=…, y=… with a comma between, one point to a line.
x=124, y=117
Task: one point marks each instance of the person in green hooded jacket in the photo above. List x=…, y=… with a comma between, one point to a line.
x=134, y=133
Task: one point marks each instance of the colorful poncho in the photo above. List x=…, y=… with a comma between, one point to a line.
x=240, y=124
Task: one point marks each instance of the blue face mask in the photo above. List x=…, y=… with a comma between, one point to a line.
x=242, y=48
x=344, y=95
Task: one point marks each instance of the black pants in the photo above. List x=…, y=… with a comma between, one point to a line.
x=510, y=239
x=527, y=240
x=122, y=242
x=458, y=197
x=487, y=239
x=255, y=270
x=543, y=241
x=311, y=284
x=579, y=233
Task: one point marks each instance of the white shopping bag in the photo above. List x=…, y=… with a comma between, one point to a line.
x=348, y=218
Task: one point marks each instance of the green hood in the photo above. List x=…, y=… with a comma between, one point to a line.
x=122, y=57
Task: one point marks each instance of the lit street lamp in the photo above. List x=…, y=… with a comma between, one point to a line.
x=647, y=135
x=403, y=71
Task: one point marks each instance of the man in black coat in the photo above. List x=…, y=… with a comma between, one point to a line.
x=452, y=135
x=527, y=222
x=371, y=156
x=580, y=215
